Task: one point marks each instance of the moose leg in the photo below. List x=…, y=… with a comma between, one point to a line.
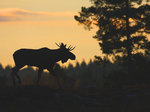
x=39, y=75
x=14, y=74
x=56, y=77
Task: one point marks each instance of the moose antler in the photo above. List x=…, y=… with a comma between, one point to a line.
x=70, y=48
x=58, y=44
x=62, y=45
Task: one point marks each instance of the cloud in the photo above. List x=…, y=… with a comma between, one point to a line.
x=18, y=14
x=3, y=18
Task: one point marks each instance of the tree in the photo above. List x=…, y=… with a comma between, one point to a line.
x=123, y=26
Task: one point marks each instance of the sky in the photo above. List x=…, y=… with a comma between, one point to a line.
x=40, y=23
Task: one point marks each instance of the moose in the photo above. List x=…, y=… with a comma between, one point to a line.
x=43, y=58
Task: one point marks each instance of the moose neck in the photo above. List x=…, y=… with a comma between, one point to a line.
x=58, y=55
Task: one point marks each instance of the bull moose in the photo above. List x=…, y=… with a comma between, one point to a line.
x=43, y=58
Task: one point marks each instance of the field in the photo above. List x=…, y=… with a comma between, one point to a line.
x=45, y=99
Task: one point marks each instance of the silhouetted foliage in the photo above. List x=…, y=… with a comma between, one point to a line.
x=3, y=78
x=123, y=25
x=86, y=75
x=123, y=28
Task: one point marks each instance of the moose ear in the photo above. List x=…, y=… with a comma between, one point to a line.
x=62, y=44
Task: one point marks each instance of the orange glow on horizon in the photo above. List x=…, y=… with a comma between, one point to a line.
x=30, y=24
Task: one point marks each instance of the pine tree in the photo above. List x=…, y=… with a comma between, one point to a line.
x=123, y=26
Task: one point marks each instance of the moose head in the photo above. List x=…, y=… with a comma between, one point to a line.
x=66, y=52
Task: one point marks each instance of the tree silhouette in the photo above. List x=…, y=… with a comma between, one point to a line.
x=123, y=26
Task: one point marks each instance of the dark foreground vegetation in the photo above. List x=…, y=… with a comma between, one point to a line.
x=92, y=87
x=45, y=99
x=95, y=74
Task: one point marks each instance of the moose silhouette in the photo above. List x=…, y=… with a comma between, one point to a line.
x=43, y=58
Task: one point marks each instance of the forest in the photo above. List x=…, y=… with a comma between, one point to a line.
x=93, y=86
x=82, y=75
x=94, y=74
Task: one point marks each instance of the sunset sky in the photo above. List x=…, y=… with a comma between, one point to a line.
x=41, y=23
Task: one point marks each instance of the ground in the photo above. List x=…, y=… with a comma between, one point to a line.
x=45, y=99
